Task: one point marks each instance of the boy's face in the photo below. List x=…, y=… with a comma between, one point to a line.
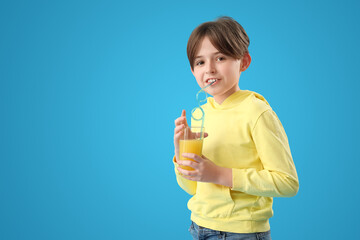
x=211, y=64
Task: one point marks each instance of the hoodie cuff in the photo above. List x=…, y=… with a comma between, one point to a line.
x=176, y=165
x=239, y=180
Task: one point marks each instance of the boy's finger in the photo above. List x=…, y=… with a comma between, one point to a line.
x=188, y=163
x=180, y=120
x=177, y=136
x=185, y=172
x=193, y=156
x=198, y=134
x=179, y=128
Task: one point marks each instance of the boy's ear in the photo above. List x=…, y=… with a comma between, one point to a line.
x=192, y=71
x=245, y=62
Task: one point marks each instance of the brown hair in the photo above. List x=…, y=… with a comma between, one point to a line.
x=226, y=34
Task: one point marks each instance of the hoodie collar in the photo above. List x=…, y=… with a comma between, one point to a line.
x=232, y=100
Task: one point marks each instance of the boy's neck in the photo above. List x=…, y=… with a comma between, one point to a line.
x=219, y=99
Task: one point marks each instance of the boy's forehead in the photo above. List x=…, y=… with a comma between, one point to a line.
x=206, y=48
x=208, y=53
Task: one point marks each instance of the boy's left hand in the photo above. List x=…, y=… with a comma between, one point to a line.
x=205, y=170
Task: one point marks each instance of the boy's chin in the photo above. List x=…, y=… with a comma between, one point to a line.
x=209, y=92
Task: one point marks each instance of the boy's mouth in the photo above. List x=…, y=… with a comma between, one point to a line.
x=212, y=81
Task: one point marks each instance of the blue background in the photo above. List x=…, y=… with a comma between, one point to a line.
x=89, y=91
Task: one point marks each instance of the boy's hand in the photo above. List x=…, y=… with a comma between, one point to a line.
x=180, y=125
x=205, y=170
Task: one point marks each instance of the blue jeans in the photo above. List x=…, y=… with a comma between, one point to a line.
x=201, y=233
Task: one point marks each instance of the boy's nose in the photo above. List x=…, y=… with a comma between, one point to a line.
x=210, y=68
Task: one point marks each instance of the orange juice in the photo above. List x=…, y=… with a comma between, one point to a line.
x=190, y=146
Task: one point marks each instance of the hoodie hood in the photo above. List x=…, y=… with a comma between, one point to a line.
x=235, y=99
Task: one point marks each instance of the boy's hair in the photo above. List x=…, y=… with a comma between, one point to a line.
x=227, y=36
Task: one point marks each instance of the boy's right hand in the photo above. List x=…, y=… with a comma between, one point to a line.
x=180, y=125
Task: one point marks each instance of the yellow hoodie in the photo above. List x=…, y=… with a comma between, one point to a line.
x=246, y=135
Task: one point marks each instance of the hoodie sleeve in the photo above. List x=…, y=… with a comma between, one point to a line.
x=278, y=178
x=187, y=185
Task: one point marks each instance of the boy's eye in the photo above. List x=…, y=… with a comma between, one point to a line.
x=220, y=58
x=199, y=63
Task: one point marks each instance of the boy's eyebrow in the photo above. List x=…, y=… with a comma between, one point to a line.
x=212, y=54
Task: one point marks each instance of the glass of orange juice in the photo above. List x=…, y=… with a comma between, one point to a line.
x=191, y=141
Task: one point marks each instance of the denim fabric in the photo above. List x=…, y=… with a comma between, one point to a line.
x=201, y=233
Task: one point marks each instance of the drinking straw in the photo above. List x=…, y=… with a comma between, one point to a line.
x=199, y=101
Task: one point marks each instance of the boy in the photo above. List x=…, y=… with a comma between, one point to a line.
x=246, y=157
